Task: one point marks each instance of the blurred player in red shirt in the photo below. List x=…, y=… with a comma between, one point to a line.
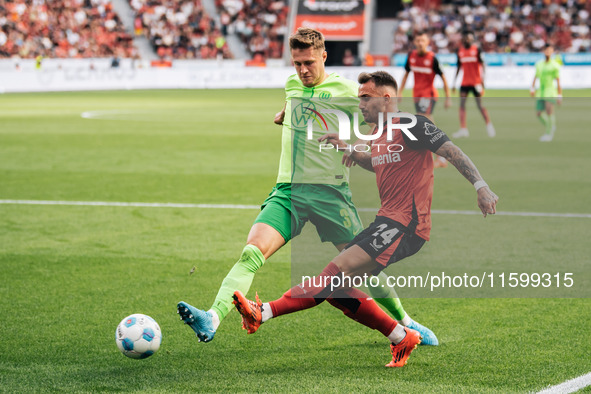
x=425, y=66
x=470, y=60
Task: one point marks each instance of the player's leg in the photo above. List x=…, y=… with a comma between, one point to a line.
x=541, y=112
x=271, y=230
x=490, y=129
x=357, y=260
x=463, y=131
x=552, y=119
x=386, y=296
x=336, y=219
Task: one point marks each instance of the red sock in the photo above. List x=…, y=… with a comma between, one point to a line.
x=462, y=118
x=356, y=305
x=307, y=294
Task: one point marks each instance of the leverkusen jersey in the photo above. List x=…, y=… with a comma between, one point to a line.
x=405, y=178
x=425, y=67
x=470, y=59
x=547, y=72
x=301, y=161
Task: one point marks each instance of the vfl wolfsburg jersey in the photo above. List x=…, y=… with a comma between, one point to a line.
x=301, y=161
x=547, y=72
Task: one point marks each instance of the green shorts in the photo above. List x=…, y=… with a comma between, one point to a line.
x=328, y=207
x=541, y=103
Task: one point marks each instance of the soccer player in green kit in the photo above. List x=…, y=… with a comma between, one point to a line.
x=320, y=194
x=547, y=70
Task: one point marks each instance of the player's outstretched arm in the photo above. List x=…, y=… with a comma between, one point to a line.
x=279, y=116
x=362, y=158
x=487, y=199
x=402, y=85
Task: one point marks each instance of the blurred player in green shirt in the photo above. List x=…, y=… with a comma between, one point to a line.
x=311, y=186
x=548, y=94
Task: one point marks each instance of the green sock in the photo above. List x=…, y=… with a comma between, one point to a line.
x=551, y=124
x=544, y=119
x=387, y=297
x=240, y=278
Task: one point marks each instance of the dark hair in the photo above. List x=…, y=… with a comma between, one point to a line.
x=467, y=33
x=548, y=45
x=306, y=38
x=379, y=78
x=420, y=33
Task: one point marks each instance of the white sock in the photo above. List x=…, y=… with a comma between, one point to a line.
x=266, y=312
x=406, y=320
x=215, y=319
x=397, y=334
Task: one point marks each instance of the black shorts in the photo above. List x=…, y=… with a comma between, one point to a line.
x=477, y=90
x=425, y=105
x=387, y=241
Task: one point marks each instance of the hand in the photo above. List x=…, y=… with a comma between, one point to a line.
x=453, y=90
x=279, y=116
x=487, y=201
x=333, y=139
x=447, y=102
x=559, y=99
x=532, y=92
x=348, y=161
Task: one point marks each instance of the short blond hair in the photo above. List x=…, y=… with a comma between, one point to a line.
x=306, y=38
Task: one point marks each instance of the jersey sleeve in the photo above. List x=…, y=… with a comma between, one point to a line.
x=436, y=68
x=429, y=136
x=407, y=65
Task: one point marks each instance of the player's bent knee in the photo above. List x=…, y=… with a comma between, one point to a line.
x=265, y=238
x=251, y=258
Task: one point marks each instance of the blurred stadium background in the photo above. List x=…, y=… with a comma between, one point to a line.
x=126, y=44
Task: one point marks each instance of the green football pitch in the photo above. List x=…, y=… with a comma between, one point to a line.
x=70, y=273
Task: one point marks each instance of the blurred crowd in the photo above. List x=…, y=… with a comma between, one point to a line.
x=62, y=28
x=260, y=24
x=179, y=29
x=500, y=25
x=182, y=29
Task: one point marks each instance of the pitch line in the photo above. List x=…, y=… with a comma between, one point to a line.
x=239, y=206
x=570, y=386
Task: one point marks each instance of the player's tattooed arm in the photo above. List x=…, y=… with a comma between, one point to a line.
x=455, y=156
x=487, y=199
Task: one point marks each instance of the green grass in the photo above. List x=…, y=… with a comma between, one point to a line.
x=69, y=274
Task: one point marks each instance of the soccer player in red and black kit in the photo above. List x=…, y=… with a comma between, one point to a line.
x=404, y=176
x=470, y=60
x=424, y=65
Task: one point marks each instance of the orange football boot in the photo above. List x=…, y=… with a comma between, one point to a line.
x=249, y=310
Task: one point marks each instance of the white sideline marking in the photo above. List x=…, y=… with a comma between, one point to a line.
x=570, y=386
x=235, y=206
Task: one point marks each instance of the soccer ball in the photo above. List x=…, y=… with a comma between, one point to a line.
x=138, y=336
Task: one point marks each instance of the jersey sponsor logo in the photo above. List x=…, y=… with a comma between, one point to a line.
x=386, y=158
x=430, y=129
x=469, y=59
x=421, y=70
